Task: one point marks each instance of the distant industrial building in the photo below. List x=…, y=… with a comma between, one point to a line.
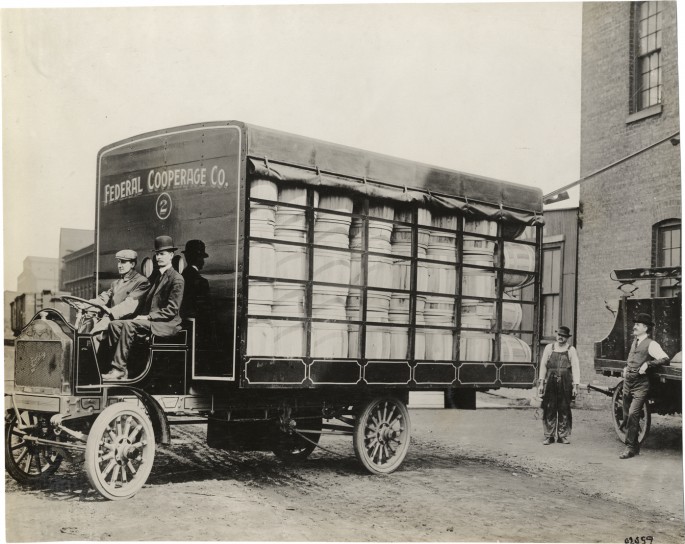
x=78, y=272
x=70, y=241
x=38, y=274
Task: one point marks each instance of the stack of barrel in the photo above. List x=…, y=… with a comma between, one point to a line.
x=401, y=243
x=330, y=339
x=378, y=337
x=260, y=337
x=477, y=345
x=276, y=300
x=291, y=264
x=442, y=282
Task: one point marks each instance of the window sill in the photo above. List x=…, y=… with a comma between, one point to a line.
x=643, y=114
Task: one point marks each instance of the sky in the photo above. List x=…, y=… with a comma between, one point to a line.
x=490, y=89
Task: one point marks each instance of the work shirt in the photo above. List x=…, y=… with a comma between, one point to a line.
x=572, y=355
x=638, y=355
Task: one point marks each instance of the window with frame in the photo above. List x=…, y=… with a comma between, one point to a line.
x=551, y=288
x=647, y=54
x=666, y=242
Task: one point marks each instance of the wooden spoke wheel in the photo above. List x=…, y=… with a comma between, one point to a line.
x=293, y=447
x=120, y=451
x=25, y=460
x=381, y=435
x=617, y=409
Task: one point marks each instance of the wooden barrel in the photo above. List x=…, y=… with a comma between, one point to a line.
x=477, y=310
x=399, y=302
x=332, y=229
x=475, y=345
x=475, y=244
x=522, y=258
x=288, y=299
x=401, y=275
x=290, y=262
x=478, y=282
x=379, y=270
x=262, y=259
x=442, y=278
x=329, y=340
x=439, y=342
x=377, y=342
x=420, y=338
x=379, y=235
x=512, y=313
x=514, y=350
x=399, y=339
x=329, y=302
x=263, y=188
x=260, y=295
x=331, y=266
x=289, y=338
x=260, y=338
x=377, y=305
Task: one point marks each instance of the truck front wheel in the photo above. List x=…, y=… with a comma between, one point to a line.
x=120, y=451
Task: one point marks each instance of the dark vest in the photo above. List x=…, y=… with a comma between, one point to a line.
x=639, y=355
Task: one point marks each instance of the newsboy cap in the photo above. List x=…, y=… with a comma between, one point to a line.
x=564, y=331
x=126, y=255
x=645, y=319
x=164, y=243
x=195, y=247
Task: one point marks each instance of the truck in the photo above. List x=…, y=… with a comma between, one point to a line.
x=337, y=281
x=611, y=353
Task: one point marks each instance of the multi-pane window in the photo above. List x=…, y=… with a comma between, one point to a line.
x=667, y=253
x=647, y=83
x=551, y=289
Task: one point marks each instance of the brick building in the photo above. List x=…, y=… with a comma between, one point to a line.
x=78, y=272
x=70, y=241
x=631, y=212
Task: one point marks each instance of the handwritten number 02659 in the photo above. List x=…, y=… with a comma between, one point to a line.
x=639, y=540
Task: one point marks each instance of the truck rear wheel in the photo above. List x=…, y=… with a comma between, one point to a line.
x=293, y=447
x=617, y=409
x=26, y=461
x=120, y=451
x=381, y=435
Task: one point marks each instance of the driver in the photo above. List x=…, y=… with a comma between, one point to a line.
x=123, y=296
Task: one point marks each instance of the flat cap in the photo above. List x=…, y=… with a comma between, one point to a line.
x=126, y=255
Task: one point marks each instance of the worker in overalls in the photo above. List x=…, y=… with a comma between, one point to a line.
x=558, y=385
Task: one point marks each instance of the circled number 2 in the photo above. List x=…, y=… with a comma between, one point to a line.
x=163, y=206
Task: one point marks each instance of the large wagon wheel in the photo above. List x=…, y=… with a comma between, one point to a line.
x=26, y=461
x=617, y=408
x=293, y=447
x=120, y=451
x=381, y=435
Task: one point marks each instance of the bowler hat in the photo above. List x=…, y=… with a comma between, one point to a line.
x=195, y=247
x=564, y=331
x=164, y=243
x=643, y=318
x=126, y=255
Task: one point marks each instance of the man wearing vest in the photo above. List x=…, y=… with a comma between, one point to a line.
x=159, y=312
x=645, y=353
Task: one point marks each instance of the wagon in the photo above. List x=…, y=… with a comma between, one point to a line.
x=665, y=391
x=339, y=280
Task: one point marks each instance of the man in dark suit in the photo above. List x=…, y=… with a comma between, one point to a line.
x=159, y=313
x=196, y=291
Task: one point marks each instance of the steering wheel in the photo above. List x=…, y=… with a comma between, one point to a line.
x=82, y=307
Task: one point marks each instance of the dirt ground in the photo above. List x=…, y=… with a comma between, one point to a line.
x=469, y=476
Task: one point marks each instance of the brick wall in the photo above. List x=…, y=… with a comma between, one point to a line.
x=619, y=207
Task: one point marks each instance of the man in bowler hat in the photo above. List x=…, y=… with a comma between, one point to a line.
x=558, y=384
x=196, y=291
x=159, y=313
x=644, y=354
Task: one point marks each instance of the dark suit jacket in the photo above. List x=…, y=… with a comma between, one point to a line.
x=125, y=294
x=195, y=293
x=163, y=301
